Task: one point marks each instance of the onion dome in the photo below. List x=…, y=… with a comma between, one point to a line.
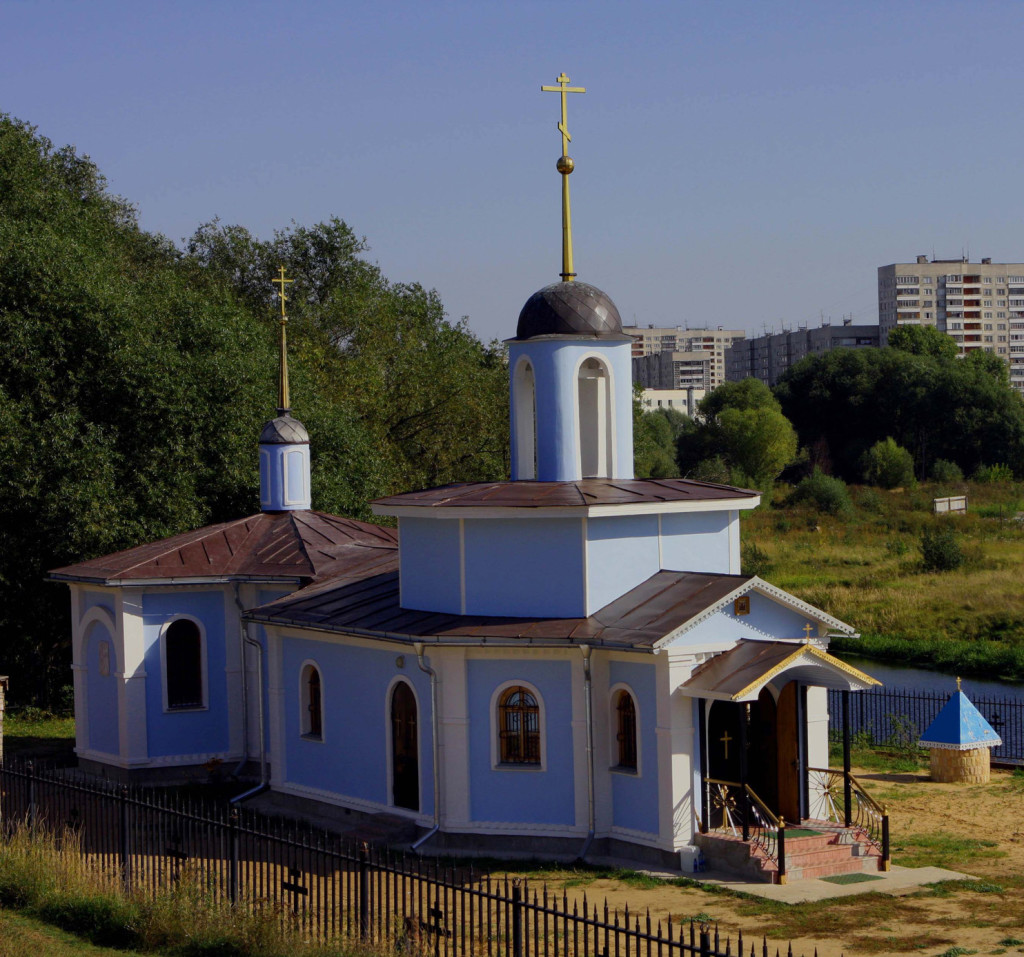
x=570, y=309
x=284, y=430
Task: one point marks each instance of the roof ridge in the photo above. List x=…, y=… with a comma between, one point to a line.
x=199, y=533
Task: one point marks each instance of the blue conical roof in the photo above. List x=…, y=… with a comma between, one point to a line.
x=959, y=726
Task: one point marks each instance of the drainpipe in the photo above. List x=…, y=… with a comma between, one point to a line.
x=242, y=635
x=436, y=749
x=264, y=781
x=588, y=699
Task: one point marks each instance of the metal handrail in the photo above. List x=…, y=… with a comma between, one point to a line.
x=764, y=807
x=880, y=808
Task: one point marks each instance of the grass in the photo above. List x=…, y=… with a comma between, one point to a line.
x=39, y=733
x=940, y=849
x=22, y=936
x=865, y=568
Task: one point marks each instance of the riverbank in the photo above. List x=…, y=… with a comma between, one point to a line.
x=865, y=568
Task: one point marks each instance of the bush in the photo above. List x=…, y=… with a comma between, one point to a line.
x=714, y=469
x=888, y=465
x=754, y=560
x=896, y=546
x=869, y=500
x=946, y=472
x=993, y=473
x=940, y=551
x=824, y=492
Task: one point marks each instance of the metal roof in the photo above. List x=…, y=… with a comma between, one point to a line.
x=570, y=308
x=295, y=546
x=960, y=726
x=740, y=673
x=578, y=494
x=369, y=605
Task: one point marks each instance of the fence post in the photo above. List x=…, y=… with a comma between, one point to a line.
x=30, y=769
x=364, y=891
x=125, y=839
x=517, y=917
x=886, y=862
x=705, y=940
x=847, y=794
x=233, y=851
x=783, y=879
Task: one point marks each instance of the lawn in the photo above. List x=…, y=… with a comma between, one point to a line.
x=865, y=568
x=38, y=733
x=22, y=936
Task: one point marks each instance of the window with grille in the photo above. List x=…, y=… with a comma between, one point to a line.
x=519, y=727
x=626, y=735
x=183, y=661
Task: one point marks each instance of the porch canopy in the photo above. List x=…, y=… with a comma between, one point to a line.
x=740, y=673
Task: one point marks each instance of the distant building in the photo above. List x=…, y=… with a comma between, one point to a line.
x=674, y=370
x=710, y=343
x=768, y=357
x=682, y=400
x=980, y=305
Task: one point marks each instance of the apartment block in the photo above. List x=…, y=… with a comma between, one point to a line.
x=768, y=357
x=981, y=305
x=674, y=370
x=713, y=343
x=682, y=400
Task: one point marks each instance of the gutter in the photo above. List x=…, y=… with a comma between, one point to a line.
x=247, y=639
x=588, y=698
x=434, y=722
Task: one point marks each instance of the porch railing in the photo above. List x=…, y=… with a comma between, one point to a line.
x=737, y=809
x=841, y=799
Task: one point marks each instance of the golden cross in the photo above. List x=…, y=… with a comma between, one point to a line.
x=958, y=683
x=725, y=739
x=808, y=628
x=563, y=87
x=282, y=281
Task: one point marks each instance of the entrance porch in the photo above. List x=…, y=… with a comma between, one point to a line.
x=766, y=809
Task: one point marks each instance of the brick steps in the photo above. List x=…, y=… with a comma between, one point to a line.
x=826, y=854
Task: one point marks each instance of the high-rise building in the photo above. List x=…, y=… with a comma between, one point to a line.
x=981, y=305
x=707, y=343
x=767, y=357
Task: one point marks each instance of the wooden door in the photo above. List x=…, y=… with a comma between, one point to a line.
x=405, y=765
x=790, y=765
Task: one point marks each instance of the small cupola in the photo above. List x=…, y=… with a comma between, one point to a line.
x=571, y=369
x=284, y=442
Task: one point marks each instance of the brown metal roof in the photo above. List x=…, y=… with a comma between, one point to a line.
x=299, y=545
x=583, y=493
x=368, y=605
x=740, y=673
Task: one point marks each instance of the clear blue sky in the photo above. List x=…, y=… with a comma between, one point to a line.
x=737, y=163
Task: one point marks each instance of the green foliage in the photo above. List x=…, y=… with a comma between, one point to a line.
x=940, y=550
x=740, y=424
x=946, y=472
x=993, y=473
x=135, y=378
x=888, y=465
x=923, y=341
x=825, y=492
x=754, y=560
x=654, y=440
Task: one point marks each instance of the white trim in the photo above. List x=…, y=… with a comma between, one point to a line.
x=356, y=804
x=606, y=469
x=584, y=529
x=304, y=722
x=462, y=566
x=389, y=746
x=204, y=671
x=613, y=730
x=289, y=499
x=163, y=761
x=496, y=763
x=564, y=511
x=972, y=746
x=661, y=558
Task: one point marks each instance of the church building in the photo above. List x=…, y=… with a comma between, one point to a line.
x=569, y=662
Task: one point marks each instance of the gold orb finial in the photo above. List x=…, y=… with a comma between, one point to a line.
x=565, y=165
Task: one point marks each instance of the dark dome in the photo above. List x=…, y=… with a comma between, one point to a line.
x=569, y=309
x=284, y=430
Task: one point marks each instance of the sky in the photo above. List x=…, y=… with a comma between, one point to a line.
x=738, y=164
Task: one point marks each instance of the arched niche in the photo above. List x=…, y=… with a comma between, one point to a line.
x=525, y=398
x=595, y=412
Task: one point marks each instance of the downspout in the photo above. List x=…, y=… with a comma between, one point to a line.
x=436, y=747
x=249, y=640
x=588, y=700
x=243, y=633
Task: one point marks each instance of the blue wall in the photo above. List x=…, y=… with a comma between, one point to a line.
x=101, y=692
x=524, y=567
x=520, y=794
x=351, y=760
x=621, y=553
x=186, y=732
x=698, y=541
x=429, y=559
x=767, y=620
x=635, y=797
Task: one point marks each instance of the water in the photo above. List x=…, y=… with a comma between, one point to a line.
x=922, y=679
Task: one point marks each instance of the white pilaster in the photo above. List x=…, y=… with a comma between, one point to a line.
x=79, y=675
x=603, y=796
x=454, y=736
x=131, y=698
x=579, y=741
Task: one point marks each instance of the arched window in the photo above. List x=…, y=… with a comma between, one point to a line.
x=519, y=727
x=525, y=398
x=183, y=665
x=625, y=723
x=595, y=419
x=311, y=719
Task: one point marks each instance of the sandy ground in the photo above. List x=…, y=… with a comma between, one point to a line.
x=941, y=824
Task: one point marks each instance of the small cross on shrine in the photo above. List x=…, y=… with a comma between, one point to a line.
x=725, y=739
x=282, y=282
x=808, y=628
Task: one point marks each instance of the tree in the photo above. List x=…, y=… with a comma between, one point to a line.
x=654, y=440
x=741, y=424
x=888, y=465
x=923, y=341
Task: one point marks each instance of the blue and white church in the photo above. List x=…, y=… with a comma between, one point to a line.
x=569, y=662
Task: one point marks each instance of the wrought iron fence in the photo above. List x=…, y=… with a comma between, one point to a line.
x=331, y=888
x=899, y=716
